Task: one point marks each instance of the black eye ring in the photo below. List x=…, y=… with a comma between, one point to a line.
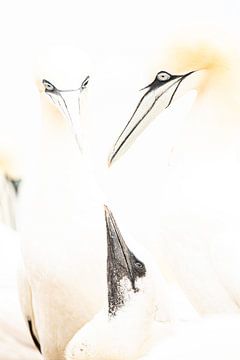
x=85, y=82
x=48, y=86
x=163, y=76
x=138, y=265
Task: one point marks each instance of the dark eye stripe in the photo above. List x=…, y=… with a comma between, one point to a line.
x=51, y=88
x=85, y=82
x=48, y=86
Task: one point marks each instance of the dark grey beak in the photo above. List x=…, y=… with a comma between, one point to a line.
x=121, y=263
x=158, y=96
x=68, y=102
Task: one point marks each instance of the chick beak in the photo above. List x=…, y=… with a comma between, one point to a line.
x=118, y=263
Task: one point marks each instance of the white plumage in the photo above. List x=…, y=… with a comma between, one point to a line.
x=188, y=182
x=61, y=221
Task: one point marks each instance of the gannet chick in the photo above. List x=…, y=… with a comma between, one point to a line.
x=124, y=329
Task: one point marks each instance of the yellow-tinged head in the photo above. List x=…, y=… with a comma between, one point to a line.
x=204, y=62
x=207, y=49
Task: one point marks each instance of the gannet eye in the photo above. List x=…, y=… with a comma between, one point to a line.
x=163, y=76
x=48, y=86
x=140, y=269
x=139, y=265
x=85, y=83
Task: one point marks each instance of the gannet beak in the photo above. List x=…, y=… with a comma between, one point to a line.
x=68, y=102
x=158, y=96
x=123, y=268
x=119, y=264
x=119, y=254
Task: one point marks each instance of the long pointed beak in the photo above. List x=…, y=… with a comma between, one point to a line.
x=118, y=253
x=156, y=98
x=119, y=263
x=68, y=102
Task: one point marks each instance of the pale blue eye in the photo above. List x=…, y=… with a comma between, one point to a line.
x=139, y=265
x=48, y=86
x=163, y=76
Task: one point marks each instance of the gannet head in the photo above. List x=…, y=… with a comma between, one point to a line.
x=63, y=74
x=185, y=65
x=121, y=331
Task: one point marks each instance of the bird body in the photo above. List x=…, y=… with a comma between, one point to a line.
x=58, y=246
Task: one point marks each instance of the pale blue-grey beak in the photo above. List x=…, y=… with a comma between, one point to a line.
x=158, y=96
x=68, y=102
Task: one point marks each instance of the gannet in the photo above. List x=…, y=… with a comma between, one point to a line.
x=193, y=187
x=124, y=329
x=127, y=327
x=192, y=61
x=60, y=220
